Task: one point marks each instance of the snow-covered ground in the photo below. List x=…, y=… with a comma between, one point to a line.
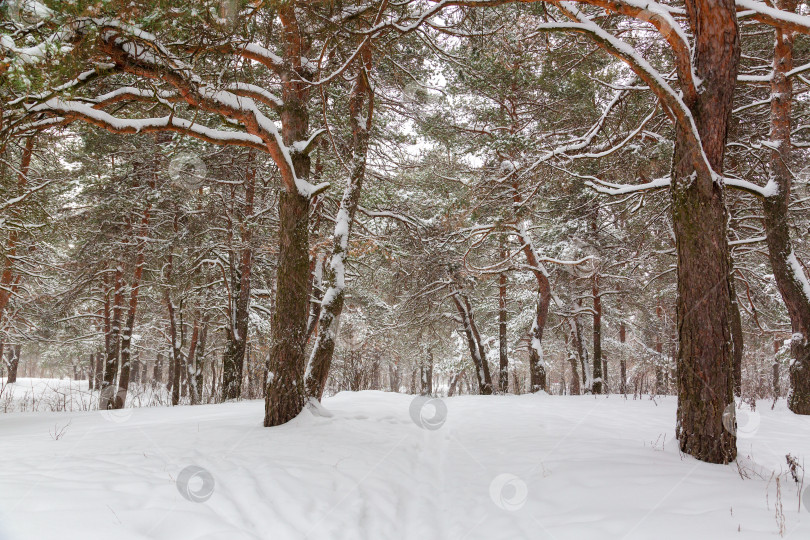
x=385, y=467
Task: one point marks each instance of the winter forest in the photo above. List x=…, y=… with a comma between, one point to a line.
x=404, y=269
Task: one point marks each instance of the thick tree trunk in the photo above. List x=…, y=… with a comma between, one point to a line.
x=791, y=279
x=285, y=380
x=705, y=353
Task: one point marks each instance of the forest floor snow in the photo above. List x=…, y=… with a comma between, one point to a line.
x=375, y=465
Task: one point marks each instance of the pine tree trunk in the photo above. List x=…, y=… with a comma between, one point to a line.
x=361, y=106
x=285, y=380
x=775, y=370
x=233, y=360
x=705, y=352
x=9, y=279
x=576, y=389
x=474, y=343
x=113, y=341
x=503, y=356
x=198, y=361
x=175, y=360
x=737, y=338
x=13, y=363
x=597, y=337
x=537, y=366
x=791, y=279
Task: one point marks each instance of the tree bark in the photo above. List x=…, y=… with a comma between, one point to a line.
x=233, y=360
x=737, y=337
x=623, y=361
x=13, y=363
x=503, y=377
x=9, y=278
x=126, y=336
x=705, y=354
x=598, y=385
x=361, y=105
x=112, y=340
x=790, y=277
x=474, y=342
x=285, y=379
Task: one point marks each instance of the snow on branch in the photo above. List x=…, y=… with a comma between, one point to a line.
x=773, y=16
x=70, y=110
x=610, y=188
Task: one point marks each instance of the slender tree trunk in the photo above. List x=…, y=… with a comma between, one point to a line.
x=126, y=336
x=775, y=369
x=503, y=378
x=537, y=365
x=582, y=353
x=705, y=355
x=192, y=352
x=576, y=389
x=736, y=330
x=233, y=360
x=13, y=363
x=176, y=358
x=157, y=375
x=426, y=372
x=791, y=279
x=597, y=337
x=659, y=348
x=113, y=339
x=474, y=342
x=623, y=361
x=361, y=109
x=8, y=278
x=98, y=375
x=199, y=365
